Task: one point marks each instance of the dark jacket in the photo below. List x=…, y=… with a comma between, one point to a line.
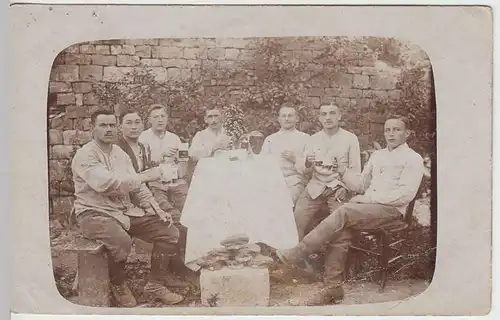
x=146, y=154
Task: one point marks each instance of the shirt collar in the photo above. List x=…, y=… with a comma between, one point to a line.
x=400, y=147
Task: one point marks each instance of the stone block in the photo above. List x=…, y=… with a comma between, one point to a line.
x=383, y=82
x=57, y=170
x=55, y=137
x=79, y=99
x=151, y=62
x=74, y=111
x=116, y=49
x=193, y=63
x=168, y=52
x=355, y=70
x=216, y=53
x=185, y=74
x=232, y=54
x=226, y=64
x=81, y=87
x=127, y=61
x=316, y=92
x=247, y=55
x=160, y=74
x=101, y=60
x=173, y=73
x=57, y=87
x=102, y=49
x=361, y=103
x=64, y=99
x=367, y=62
x=91, y=73
x=84, y=59
x=76, y=137
x=61, y=122
x=90, y=99
x=60, y=152
x=334, y=91
x=65, y=73
x=87, y=49
x=351, y=93
x=361, y=81
x=143, y=51
x=174, y=63
x=195, y=53
x=313, y=102
x=247, y=287
x=115, y=74
x=82, y=124
x=343, y=103
x=62, y=206
x=342, y=79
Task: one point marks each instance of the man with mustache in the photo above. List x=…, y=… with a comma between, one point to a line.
x=288, y=144
x=110, y=197
x=132, y=126
x=389, y=182
x=212, y=139
x=325, y=149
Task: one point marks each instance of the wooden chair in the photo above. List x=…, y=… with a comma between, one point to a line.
x=383, y=237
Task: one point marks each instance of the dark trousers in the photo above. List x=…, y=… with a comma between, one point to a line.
x=118, y=241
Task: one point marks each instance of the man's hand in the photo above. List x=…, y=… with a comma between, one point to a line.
x=152, y=174
x=310, y=158
x=341, y=194
x=146, y=206
x=165, y=216
x=289, y=155
x=170, y=153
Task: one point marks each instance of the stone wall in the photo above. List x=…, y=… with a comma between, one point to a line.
x=71, y=101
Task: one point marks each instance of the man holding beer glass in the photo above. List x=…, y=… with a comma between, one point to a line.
x=324, y=151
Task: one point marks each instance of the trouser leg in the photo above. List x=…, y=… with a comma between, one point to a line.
x=305, y=210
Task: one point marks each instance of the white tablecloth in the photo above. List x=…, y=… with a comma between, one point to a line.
x=243, y=196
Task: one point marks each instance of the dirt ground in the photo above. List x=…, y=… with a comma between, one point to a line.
x=356, y=292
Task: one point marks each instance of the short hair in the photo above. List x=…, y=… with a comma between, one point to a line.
x=157, y=106
x=287, y=105
x=100, y=112
x=127, y=111
x=401, y=118
x=212, y=107
x=331, y=105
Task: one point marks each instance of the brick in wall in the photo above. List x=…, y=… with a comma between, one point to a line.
x=127, y=61
x=195, y=53
x=167, y=52
x=174, y=63
x=232, y=54
x=383, y=82
x=57, y=169
x=60, y=152
x=101, y=60
x=216, y=53
x=65, y=99
x=84, y=59
x=143, y=51
x=91, y=73
x=361, y=81
x=81, y=87
x=102, y=49
x=65, y=73
x=115, y=74
x=57, y=87
x=62, y=206
x=55, y=137
x=151, y=62
x=87, y=49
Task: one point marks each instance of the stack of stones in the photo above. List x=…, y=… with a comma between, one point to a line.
x=235, y=253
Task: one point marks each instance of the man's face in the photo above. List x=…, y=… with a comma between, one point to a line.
x=105, y=128
x=213, y=118
x=395, y=133
x=329, y=116
x=287, y=118
x=158, y=119
x=132, y=126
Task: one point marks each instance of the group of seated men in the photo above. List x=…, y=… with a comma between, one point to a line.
x=120, y=192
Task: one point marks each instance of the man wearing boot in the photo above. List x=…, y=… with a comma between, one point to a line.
x=324, y=150
x=109, y=193
x=171, y=196
x=387, y=185
x=132, y=126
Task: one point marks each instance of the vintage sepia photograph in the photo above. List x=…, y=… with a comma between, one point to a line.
x=242, y=172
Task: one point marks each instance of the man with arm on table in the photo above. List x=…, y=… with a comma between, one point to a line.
x=288, y=144
x=211, y=139
x=389, y=182
x=110, y=197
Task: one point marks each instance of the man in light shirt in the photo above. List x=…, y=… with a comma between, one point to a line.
x=326, y=149
x=211, y=139
x=288, y=145
x=389, y=182
x=113, y=205
x=164, y=146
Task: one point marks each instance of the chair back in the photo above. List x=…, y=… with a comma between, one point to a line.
x=408, y=218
